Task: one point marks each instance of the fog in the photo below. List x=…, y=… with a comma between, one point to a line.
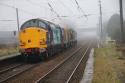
x=73, y=13
x=77, y=14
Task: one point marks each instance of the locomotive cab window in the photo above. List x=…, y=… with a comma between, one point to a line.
x=31, y=23
x=41, y=24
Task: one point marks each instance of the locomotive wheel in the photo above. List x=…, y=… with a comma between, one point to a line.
x=44, y=56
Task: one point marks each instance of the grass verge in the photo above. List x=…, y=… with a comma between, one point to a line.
x=8, y=51
x=109, y=66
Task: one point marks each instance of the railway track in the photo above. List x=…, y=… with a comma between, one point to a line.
x=14, y=71
x=43, y=68
x=54, y=75
x=8, y=62
x=77, y=74
x=9, y=67
x=64, y=71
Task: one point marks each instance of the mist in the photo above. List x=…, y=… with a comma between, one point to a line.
x=68, y=14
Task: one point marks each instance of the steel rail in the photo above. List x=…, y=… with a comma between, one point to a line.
x=9, y=68
x=84, y=54
x=18, y=73
x=38, y=81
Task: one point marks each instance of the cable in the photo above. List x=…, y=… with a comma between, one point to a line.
x=80, y=9
x=6, y=5
x=51, y=9
x=65, y=6
x=7, y=20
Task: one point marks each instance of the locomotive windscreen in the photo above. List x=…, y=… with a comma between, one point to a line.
x=34, y=23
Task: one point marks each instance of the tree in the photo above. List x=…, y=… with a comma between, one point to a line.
x=113, y=27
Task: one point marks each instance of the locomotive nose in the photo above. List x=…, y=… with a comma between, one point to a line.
x=33, y=38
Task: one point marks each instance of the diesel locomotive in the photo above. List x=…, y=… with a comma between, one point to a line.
x=39, y=39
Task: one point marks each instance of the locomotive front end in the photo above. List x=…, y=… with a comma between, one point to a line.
x=32, y=41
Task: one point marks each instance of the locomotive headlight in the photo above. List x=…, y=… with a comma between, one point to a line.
x=22, y=43
x=29, y=41
x=42, y=42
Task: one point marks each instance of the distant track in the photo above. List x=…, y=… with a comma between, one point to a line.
x=64, y=71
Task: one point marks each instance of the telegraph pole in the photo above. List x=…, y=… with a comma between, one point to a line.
x=100, y=22
x=121, y=21
x=17, y=14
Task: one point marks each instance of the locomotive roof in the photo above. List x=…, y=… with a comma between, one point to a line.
x=31, y=23
x=46, y=23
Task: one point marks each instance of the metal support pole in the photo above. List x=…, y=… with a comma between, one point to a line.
x=121, y=21
x=100, y=22
x=100, y=17
x=17, y=19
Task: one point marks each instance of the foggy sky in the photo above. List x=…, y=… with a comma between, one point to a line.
x=29, y=9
